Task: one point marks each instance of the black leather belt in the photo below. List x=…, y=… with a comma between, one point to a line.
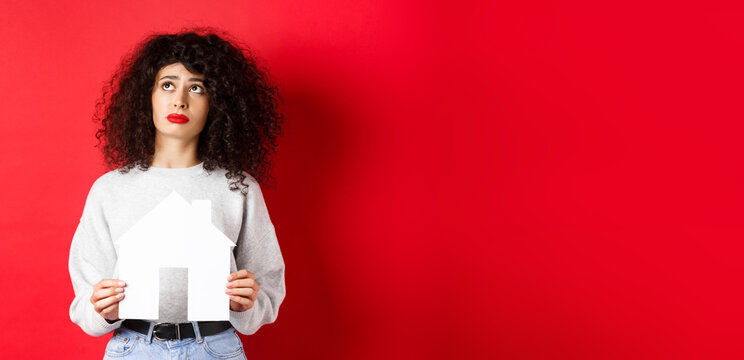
x=172, y=331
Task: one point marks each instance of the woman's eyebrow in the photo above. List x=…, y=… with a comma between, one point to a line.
x=176, y=78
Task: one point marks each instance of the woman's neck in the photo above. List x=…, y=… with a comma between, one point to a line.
x=175, y=153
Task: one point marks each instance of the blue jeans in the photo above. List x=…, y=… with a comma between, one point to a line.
x=129, y=344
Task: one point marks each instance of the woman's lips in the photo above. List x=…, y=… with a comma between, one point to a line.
x=178, y=118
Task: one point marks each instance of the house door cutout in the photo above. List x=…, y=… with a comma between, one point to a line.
x=174, y=294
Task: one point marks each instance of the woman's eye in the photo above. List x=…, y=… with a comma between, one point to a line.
x=198, y=88
x=166, y=84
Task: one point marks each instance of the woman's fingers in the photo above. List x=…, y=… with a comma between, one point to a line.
x=105, y=288
x=243, y=283
x=109, y=283
x=243, y=273
x=246, y=288
x=106, y=292
x=104, y=303
x=112, y=310
x=242, y=289
x=243, y=292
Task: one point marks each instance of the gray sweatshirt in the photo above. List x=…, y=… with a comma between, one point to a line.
x=117, y=201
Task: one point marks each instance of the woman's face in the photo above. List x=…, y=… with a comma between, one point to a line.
x=180, y=103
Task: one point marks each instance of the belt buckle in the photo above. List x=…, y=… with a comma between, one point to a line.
x=178, y=331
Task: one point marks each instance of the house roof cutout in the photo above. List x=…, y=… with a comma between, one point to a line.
x=176, y=216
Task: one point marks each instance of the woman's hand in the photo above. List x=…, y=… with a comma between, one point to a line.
x=243, y=290
x=106, y=296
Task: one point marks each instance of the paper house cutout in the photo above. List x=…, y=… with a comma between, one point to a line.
x=175, y=234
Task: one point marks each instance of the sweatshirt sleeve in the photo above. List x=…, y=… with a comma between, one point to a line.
x=92, y=258
x=257, y=251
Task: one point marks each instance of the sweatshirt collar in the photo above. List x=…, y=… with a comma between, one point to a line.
x=195, y=170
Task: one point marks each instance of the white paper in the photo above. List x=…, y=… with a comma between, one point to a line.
x=175, y=234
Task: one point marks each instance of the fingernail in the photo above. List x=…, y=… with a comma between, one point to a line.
x=121, y=283
x=229, y=291
x=229, y=277
x=119, y=296
x=119, y=289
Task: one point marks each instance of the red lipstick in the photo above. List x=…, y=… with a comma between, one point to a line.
x=178, y=118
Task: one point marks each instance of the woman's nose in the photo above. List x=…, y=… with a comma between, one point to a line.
x=181, y=100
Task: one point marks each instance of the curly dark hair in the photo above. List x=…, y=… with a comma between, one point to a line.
x=243, y=121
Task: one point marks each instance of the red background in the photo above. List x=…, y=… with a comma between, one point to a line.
x=457, y=180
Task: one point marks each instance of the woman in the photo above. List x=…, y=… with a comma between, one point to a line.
x=189, y=113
